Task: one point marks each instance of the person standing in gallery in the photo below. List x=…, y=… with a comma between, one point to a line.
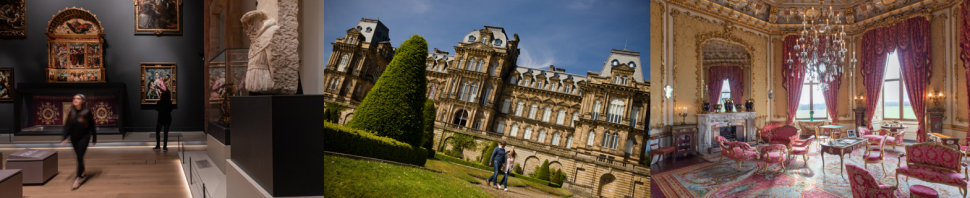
x=164, y=109
x=79, y=127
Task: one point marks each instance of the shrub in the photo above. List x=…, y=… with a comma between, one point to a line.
x=487, y=153
x=462, y=162
x=393, y=108
x=347, y=140
x=517, y=169
x=331, y=112
x=535, y=172
x=544, y=171
x=562, y=176
x=554, y=178
x=429, y=117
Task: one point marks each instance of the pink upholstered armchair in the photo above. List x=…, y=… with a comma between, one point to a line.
x=865, y=185
x=801, y=148
x=774, y=154
x=737, y=151
x=785, y=135
x=895, y=140
x=933, y=162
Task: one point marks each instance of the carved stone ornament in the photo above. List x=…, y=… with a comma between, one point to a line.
x=273, y=58
x=261, y=30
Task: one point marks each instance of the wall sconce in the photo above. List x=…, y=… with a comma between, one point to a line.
x=935, y=98
x=771, y=94
x=859, y=100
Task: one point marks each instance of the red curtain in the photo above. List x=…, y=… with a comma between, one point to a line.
x=874, y=52
x=794, y=76
x=965, y=41
x=714, y=83
x=737, y=84
x=715, y=80
x=914, y=55
x=832, y=98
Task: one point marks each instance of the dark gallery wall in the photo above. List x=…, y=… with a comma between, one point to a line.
x=124, y=51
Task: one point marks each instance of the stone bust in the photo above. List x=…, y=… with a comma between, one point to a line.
x=261, y=30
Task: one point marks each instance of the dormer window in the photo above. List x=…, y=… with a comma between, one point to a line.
x=358, y=28
x=498, y=42
x=368, y=30
x=471, y=38
x=632, y=64
x=615, y=62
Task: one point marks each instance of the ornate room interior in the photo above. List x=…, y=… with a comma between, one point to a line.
x=798, y=97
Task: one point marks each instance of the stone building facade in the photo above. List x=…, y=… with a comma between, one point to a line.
x=591, y=126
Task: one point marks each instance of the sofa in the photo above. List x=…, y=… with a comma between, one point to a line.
x=933, y=162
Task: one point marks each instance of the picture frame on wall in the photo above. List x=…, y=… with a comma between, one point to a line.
x=217, y=83
x=13, y=19
x=75, y=52
x=6, y=84
x=156, y=77
x=158, y=17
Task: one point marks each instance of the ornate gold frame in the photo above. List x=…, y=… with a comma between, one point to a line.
x=159, y=32
x=23, y=17
x=52, y=37
x=173, y=85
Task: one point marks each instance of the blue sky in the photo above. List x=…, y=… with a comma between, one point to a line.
x=576, y=35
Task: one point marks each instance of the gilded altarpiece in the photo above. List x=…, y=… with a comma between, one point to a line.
x=75, y=44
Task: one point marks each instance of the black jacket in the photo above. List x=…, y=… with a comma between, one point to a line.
x=80, y=123
x=164, y=108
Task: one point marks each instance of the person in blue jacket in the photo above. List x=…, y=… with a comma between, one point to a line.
x=498, y=159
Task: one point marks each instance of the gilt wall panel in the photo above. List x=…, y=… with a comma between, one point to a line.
x=781, y=97
x=656, y=64
x=937, y=56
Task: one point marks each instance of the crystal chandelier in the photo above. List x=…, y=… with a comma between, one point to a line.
x=822, y=48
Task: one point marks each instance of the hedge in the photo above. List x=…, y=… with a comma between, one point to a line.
x=346, y=140
x=393, y=107
x=429, y=117
x=489, y=169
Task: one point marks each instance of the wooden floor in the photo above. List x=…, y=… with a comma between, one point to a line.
x=115, y=172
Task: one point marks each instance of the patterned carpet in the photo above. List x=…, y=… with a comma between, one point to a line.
x=724, y=180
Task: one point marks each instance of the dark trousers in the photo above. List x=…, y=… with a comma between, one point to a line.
x=494, y=177
x=158, y=129
x=80, y=147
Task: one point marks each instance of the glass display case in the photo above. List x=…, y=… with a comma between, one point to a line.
x=42, y=108
x=226, y=74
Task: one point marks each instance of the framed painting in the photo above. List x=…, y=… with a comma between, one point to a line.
x=217, y=83
x=851, y=134
x=158, y=17
x=13, y=18
x=155, y=78
x=74, y=41
x=6, y=84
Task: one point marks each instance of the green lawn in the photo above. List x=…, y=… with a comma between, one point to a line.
x=464, y=172
x=345, y=177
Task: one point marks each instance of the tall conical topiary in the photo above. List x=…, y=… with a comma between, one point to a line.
x=393, y=108
x=544, y=171
x=429, y=117
x=554, y=178
x=487, y=153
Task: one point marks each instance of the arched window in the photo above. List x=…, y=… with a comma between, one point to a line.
x=615, y=62
x=473, y=92
x=553, y=87
x=481, y=65
x=528, y=133
x=518, y=108
x=632, y=64
x=461, y=118
x=545, y=114
x=485, y=40
x=590, y=137
x=461, y=62
x=575, y=118
x=633, y=116
x=343, y=62
x=488, y=90
x=514, y=80
x=555, y=139
x=515, y=130
x=477, y=125
x=596, y=109
x=471, y=38
x=492, y=71
x=629, y=146
x=569, y=141
x=568, y=91
x=542, y=136
x=463, y=92
x=442, y=66
x=471, y=65
x=501, y=127
x=616, y=79
x=505, y=106
x=539, y=84
x=430, y=65
x=532, y=111
x=431, y=92
x=615, y=112
x=624, y=80
x=526, y=82
x=561, y=116
x=613, y=142
x=453, y=84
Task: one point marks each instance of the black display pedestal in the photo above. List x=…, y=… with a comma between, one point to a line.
x=279, y=142
x=219, y=132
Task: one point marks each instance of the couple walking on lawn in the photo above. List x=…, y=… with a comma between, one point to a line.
x=502, y=162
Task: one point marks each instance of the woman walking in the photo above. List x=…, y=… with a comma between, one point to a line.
x=508, y=168
x=164, y=109
x=79, y=126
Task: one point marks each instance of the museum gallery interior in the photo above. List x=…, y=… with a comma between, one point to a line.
x=85, y=84
x=810, y=98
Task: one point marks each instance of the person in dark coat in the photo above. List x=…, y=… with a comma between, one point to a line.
x=80, y=127
x=164, y=109
x=498, y=159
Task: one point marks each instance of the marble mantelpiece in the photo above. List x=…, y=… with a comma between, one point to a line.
x=706, y=123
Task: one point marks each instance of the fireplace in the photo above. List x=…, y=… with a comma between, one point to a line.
x=733, y=126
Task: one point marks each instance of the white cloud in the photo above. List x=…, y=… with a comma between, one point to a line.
x=582, y=4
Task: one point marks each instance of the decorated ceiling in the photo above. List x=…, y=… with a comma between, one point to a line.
x=790, y=11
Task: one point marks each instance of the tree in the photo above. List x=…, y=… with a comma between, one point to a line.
x=518, y=169
x=562, y=176
x=393, y=108
x=554, y=178
x=460, y=142
x=487, y=153
x=331, y=112
x=429, y=117
x=544, y=171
